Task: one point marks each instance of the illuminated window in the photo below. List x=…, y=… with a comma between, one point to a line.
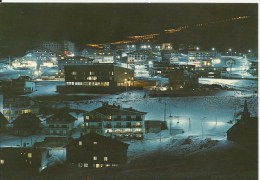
x=85, y=164
x=29, y=155
x=94, y=158
x=105, y=158
x=80, y=143
x=94, y=142
x=2, y=161
x=74, y=73
x=87, y=117
x=109, y=117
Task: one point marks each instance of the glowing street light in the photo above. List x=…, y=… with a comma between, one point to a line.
x=197, y=48
x=213, y=49
x=249, y=51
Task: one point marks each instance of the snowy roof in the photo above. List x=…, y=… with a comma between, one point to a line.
x=26, y=120
x=117, y=110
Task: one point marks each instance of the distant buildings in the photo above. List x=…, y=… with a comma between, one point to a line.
x=103, y=56
x=14, y=159
x=182, y=79
x=115, y=121
x=60, y=124
x=76, y=60
x=96, y=151
x=15, y=106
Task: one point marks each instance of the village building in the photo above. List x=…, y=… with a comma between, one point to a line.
x=26, y=124
x=60, y=124
x=96, y=151
x=115, y=121
x=29, y=159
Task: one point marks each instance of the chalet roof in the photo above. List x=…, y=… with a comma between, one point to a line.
x=117, y=110
x=61, y=117
x=26, y=120
x=8, y=150
x=96, y=137
x=3, y=120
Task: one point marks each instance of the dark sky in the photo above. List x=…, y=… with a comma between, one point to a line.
x=24, y=26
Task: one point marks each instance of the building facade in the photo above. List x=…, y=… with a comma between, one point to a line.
x=94, y=75
x=59, y=124
x=96, y=151
x=115, y=121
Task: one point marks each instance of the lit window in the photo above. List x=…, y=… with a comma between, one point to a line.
x=87, y=117
x=94, y=142
x=85, y=164
x=94, y=158
x=105, y=158
x=2, y=161
x=29, y=155
x=80, y=143
x=109, y=117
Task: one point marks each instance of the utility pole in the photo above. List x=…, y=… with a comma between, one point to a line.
x=189, y=124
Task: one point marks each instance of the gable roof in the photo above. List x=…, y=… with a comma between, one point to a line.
x=61, y=117
x=117, y=110
x=26, y=120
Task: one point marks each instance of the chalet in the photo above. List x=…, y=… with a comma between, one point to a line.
x=60, y=124
x=113, y=120
x=3, y=122
x=23, y=158
x=245, y=130
x=26, y=124
x=96, y=151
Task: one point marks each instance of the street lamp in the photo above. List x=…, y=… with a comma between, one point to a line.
x=197, y=48
x=202, y=127
x=249, y=51
x=213, y=49
x=230, y=50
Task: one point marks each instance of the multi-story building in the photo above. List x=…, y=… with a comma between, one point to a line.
x=68, y=48
x=60, y=124
x=100, y=74
x=96, y=151
x=101, y=56
x=200, y=58
x=164, y=68
x=76, y=60
x=140, y=57
x=115, y=121
x=52, y=46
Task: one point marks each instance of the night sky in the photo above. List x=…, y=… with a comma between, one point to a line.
x=24, y=26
